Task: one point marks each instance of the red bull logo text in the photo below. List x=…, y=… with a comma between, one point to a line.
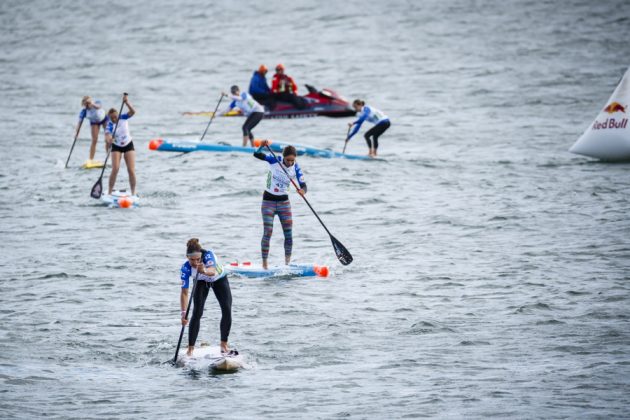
x=610, y=123
x=615, y=107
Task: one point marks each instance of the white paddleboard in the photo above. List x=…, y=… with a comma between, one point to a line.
x=120, y=199
x=210, y=357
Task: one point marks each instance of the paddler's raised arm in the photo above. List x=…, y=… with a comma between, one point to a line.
x=258, y=154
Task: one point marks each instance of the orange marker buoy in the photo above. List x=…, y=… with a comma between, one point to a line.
x=258, y=142
x=155, y=144
x=124, y=202
x=321, y=271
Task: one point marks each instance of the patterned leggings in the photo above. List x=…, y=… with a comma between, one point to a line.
x=283, y=210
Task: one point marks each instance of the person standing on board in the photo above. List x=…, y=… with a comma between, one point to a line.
x=259, y=89
x=121, y=145
x=276, y=199
x=284, y=88
x=203, y=266
x=250, y=108
x=378, y=118
x=94, y=112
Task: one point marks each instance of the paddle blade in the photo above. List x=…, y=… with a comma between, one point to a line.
x=97, y=189
x=342, y=253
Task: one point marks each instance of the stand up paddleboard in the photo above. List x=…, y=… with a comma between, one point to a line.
x=247, y=269
x=210, y=357
x=120, y=199
x=92, y=164
x=166, y=145
x=608, y=137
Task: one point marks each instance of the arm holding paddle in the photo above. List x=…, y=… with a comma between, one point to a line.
x=132, y=110
x=183, y=303
x=230, y=106
x=258, y=154
x=357, y=125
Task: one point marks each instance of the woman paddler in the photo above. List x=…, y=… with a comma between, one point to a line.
x=378, y=118
x=203, y=267
x=276, y=199
x=94, y=112
x=121, y=145
x=250, y=108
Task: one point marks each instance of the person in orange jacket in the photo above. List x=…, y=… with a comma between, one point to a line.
x=284, y=88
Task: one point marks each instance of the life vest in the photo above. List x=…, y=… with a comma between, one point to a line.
x=284, y=84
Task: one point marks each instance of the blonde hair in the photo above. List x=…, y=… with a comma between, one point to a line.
x=85, y=100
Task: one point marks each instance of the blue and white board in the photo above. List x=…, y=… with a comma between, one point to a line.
x=120, y=199
x=257, y=271
x=166, y=145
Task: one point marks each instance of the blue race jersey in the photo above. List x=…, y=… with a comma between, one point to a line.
x=209, y=260
x=370, y=114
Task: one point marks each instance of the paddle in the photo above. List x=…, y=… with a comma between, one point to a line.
x=342, y=253
x=346, y=143
x=181, y=333
x=212, y=118
x=76, y=136
x=209, y=122
x=97, y=189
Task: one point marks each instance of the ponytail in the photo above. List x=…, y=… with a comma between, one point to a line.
x=193, y=246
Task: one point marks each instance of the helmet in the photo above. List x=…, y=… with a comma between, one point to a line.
x=234, y=89
x=262, y=68
x=280, y=67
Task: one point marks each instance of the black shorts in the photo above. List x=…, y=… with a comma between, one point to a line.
x=127, y=148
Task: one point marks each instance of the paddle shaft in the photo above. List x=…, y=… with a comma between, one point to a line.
x=109, y=149
x=346, y=143
x=76, y=136
x=212, y=118
x=181, y=333
x=297, y=188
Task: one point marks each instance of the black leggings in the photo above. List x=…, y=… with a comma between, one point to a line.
x=251, y=122
x=223, y=294
x=375, y=132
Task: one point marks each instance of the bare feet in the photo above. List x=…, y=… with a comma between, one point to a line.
x=287, y=260
x=224, y=347
x=189, y=353
x=265, y=264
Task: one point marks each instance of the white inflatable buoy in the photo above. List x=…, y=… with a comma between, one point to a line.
x=608, y=137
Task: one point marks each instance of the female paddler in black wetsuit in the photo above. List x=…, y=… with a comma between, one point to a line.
x=203, y=267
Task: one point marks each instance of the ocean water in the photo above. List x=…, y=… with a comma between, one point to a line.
x=490, y=274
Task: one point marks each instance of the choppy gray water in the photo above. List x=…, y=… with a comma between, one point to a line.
x=491, y=266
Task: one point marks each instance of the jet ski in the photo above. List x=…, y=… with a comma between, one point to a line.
x=325, y=102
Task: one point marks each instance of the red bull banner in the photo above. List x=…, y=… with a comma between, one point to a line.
x=608, y=137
